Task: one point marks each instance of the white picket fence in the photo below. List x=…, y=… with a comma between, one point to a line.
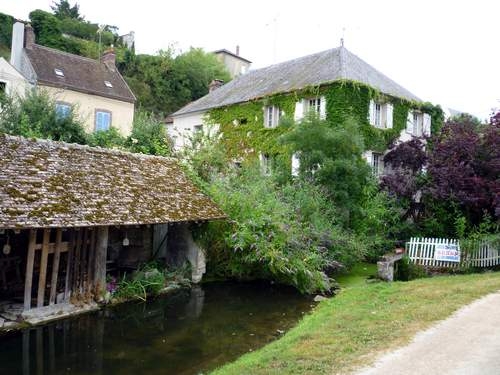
x=422, y=251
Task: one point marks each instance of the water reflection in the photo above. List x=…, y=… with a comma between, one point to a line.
x=185, y=333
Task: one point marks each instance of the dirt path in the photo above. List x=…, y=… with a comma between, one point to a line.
x=466, y=343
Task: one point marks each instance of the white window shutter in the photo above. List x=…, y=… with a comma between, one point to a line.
x=427, y=125
x=371, y=113
x=295, y=165
x=299, y=110
x=390, y=110
x=367, y=155
x=409, y=122
x=322, y=108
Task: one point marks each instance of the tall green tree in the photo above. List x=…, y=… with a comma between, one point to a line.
x=63, y=9
x=331, y=156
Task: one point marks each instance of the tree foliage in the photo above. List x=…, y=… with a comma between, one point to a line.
x=63, y=9
x=331, y=156
x=165, y=82
x=460, y=185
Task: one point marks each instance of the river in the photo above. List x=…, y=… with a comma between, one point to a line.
x=188, y=332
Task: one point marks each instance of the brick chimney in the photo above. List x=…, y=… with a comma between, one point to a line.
x=29, y=36
x=215, y=84
x=109, y=59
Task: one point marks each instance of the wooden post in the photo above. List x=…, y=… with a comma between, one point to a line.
x=69, y=265
x=29, y=270
x=100, y=261
x=42, y=277
x=76, y=269
x=91, y=262
x=55, y=267
x=83, y=260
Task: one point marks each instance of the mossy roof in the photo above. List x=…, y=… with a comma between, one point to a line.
x=53, y=184
x=313, y=70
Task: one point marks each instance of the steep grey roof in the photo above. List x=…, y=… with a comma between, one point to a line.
x=312, y=70
x=55, y=184
x=80, y=73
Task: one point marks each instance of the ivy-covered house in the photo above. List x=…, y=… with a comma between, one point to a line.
x=336, y=84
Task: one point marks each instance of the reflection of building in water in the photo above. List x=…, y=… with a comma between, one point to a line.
x=68, y=345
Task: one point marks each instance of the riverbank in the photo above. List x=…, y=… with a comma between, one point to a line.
x=349, y=331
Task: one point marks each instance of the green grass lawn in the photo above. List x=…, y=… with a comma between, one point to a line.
x=351, y=329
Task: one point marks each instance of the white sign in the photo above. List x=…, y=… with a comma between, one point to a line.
x=447, y=252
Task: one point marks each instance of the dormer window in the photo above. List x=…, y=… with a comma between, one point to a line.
x=108, y=84
x=59, y=72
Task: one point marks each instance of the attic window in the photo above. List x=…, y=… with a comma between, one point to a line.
x=59, y=72
x=108, y=84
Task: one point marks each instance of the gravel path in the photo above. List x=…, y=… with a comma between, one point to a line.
x=466, y=343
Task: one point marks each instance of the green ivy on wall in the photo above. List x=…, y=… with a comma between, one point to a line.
x=243, y=131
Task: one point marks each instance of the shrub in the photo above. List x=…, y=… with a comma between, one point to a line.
x=36, y=116
x=284, y=233
x=149, y=135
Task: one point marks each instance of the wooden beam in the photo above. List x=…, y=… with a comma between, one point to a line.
x=91, y=262
x=42, y=277
x=83, y=260
x=100, y=261
x=52, y=246
x=55, y=267
x=69, y=266
x=76, y=269
x=29, y=270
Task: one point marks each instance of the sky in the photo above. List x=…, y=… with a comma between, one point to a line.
x=445, y=52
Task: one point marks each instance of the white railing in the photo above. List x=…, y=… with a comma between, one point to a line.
x=422, y=251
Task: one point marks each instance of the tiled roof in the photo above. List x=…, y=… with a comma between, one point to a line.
x=317, y=69
x=55, y=184
x=80, y=73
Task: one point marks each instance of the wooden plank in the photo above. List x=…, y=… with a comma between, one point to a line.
x=29, y=270
x=91, y=262
x=52, y=247
x=83, y=260
x=101, y=250
x=55, y=267
x=42, y=277
x=69, y=267
x=76, y=269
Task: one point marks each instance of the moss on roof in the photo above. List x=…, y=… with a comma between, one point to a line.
x=54, y=184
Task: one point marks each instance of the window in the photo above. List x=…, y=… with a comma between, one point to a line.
x=102, y=120
x=63, y=110
x=3, y=86
x=59, y=72
x=417, y=124
x=378, y=115
x=265, y=164
x=314, y=105
x=377, y=164
x=381, y=114
x=198, y=129
x=272, y=116
x=108, y=84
